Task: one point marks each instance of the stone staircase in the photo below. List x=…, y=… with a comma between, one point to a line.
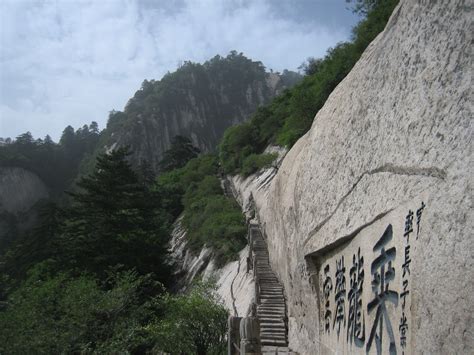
x=271, y=303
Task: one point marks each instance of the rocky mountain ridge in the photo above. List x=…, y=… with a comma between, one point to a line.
x=198, y=101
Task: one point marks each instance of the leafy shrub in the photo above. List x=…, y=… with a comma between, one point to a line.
x=255, y=162
x=53, y=314
x=211, y=219
x=59, y=313
x=192, y=324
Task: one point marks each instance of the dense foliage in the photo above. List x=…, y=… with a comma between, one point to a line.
x=211, y=218
x=290, y=115
x=192, y=324
x=114, y=219
x=125, y=313
x=181, y=151
x=58, y=313
x=89, y=278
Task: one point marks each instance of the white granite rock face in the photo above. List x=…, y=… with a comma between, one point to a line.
x=395, y=135
x=20, y=189
x=235, y=285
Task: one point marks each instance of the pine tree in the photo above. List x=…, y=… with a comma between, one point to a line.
x=116, y=220
x=181, y=151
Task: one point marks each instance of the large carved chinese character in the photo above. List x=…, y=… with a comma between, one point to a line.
x=355, y=321
x=382, y=274
x=340, y=295
x=327, y=288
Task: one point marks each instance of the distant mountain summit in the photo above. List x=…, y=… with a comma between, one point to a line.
x=198, y=101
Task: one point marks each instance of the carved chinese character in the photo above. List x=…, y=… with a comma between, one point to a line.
x=340, y=295
x=419, y=212
x=403, y=330
x=355, y=321
x=382, y=274
x=327, y=288
x=405, y=293
x=406, y=264
x=408, y=225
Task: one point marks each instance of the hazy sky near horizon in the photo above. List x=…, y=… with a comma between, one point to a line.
x=69, y=62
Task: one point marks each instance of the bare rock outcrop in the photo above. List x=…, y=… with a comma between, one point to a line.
x=234, y=284
x=20, y=189
x=369, y=220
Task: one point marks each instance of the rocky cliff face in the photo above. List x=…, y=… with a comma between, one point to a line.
x=197, y=101
x=20, y=190
x=235, y=284
x=369, y=220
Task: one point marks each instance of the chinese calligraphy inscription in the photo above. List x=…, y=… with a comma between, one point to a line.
x=365, y=286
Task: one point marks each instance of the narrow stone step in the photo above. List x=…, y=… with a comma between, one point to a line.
x=266, y=317
x=271, y=326
x=280, y=350
x=272, y=291
x=271, y=320
x=275, y=315
x=274, y=342
x=276, y=331
x=266, y=338
x=279, y=311
x=271, y=287
x=273, y=303
x=272, y=309
x=273, y=334
x=272, y=296
x=275, y=306
x=271, y=315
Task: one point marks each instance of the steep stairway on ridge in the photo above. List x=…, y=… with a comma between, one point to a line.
x=271, y=308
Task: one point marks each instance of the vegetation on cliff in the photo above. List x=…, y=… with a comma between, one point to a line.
x=211, y=218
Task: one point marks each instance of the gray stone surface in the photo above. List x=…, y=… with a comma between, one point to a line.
x=235, y=285
x=396, y=131
x=20, y=189
x=201, y=118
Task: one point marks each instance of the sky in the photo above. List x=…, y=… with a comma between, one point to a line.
x=70, y=62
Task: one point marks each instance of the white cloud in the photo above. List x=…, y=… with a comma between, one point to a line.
x=70, y=62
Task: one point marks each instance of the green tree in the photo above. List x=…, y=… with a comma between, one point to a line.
x=192, y=324
x=116, y=220
x=25, y=139
x=180, y=152
x=57, y=314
